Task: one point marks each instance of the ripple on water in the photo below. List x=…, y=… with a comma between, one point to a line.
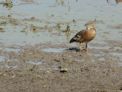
x=12, y=49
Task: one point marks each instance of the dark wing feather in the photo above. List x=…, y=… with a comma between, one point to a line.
x=78, y=37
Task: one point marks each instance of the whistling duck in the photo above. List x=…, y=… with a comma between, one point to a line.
x=86, y=35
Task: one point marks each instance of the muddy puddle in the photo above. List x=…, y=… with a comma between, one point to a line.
x=55, y=50
x=34, y=45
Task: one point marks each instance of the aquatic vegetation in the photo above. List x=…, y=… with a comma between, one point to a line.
x=2, y=29
x=67, y=32
x=106, y=33
x=60, y=2
x=58, y=26
x=8, y=4
x=3, y=22
x=33, y=28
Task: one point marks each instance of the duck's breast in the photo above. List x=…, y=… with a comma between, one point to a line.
x=89, y=35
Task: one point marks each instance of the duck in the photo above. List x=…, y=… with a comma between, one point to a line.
x=85, y=36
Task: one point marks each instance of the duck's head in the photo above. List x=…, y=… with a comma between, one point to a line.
x=90, y=25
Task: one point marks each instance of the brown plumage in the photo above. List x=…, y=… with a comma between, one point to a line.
x=85, y=35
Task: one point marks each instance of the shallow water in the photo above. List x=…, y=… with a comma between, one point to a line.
x=2, y=58
x=44, y=22
x=35, y=62
x=12, y=49
x=50, y=12
x=54, y=50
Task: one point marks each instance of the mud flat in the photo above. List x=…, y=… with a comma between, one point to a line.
x=35, y=54
x=33, y=69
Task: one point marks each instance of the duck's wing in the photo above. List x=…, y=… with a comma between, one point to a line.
x=78, y=37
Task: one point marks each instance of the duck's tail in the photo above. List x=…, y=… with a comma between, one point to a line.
x=72, y=40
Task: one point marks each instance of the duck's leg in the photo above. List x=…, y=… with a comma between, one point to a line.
x=86, y=47
x=80, y=46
